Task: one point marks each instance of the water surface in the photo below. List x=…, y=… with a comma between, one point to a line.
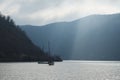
x=67, y=70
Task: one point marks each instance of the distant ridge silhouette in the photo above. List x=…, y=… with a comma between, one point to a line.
x=95, y=37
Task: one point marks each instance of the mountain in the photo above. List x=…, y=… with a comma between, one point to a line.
x=95, y=37
x=15, y=45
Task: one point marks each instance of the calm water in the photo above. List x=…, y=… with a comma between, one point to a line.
x=67, y=70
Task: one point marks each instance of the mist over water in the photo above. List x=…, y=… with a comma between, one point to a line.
x=67, y=70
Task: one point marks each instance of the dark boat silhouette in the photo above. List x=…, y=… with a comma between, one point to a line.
x=51, y=62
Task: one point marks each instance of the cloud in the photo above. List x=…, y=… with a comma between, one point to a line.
x=39, y=12
x=8, y=8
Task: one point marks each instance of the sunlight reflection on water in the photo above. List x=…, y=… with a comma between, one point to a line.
x=67, y=70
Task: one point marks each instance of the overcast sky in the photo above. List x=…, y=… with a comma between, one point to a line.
x=40, y=12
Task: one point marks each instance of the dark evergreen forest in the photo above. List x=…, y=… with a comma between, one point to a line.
x=15, y=45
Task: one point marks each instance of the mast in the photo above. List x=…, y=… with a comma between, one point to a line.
x=50, y=61
x=48, y=48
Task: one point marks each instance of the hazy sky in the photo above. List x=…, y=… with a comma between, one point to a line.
x=40, y=12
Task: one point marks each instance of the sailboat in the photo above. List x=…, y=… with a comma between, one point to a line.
x=51, y=62
x=50, y=58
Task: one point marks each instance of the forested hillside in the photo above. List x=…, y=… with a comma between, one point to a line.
x=15, y=45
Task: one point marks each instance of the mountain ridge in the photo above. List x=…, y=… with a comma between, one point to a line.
x=72, y=20
x=92, y=37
